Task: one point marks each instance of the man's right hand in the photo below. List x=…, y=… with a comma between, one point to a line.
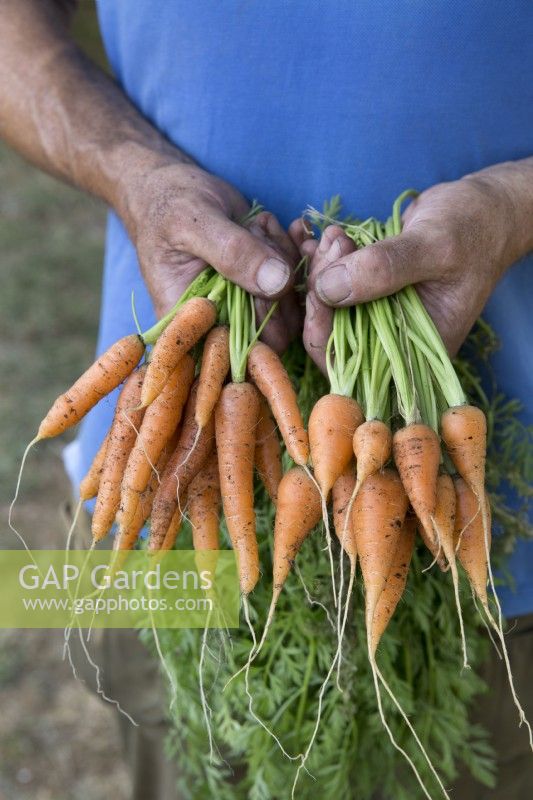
x=181, y=218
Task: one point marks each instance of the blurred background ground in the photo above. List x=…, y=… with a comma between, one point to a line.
x=57, y=741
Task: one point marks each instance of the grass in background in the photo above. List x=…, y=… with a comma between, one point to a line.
x=51, y=245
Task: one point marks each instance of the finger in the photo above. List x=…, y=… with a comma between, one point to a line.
x=267, y=224
x=333, y=244
x=317, y=328
x=284, y=324
x=319, y=317
x=377, y=270
x=292, y=311
x=244, y=258
x=309, y=248
x=274, y=333
x=300, y=231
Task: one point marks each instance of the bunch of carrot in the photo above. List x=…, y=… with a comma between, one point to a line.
x=394, y=447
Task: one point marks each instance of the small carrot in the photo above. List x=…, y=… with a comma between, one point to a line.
x=107, y=372
x=379, y=515
x=417, y=457
x=173, y=530
x=127, y=537
x=298, y=510
x=159, y=423
x=444, y=527
x=395, y=583
x=372, y=446
x=464, y=432
x=122, y=435
x=268, y=451
x=272, y=380
x=332, y=425
x=344, y=527
x=90, y=483
x=187, y=327
x=379, y=511
x=343, y=494
x=472, y=534
x=213, y=371
x=236, y=416
x=182, y=467
x=297, y=513
x=203, y=506
x=469, y=540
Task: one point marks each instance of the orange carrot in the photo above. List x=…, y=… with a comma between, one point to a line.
x=268, y=451
x=203, y=505
x=298, y=511
x=190, y=455
x=272, y=380
x=127, y=537
x=343, y=489
x=469, y=539
x=464, y=432
x=159, y=423
x=173, y=530
x=191, y=322
x=332, y=424
x=395, y=583
x=472, y=532
x=444, y=516
x=236, y=416
x=107, y=372
x=372, y=446
x=417, y=456
x=379, y=515
x=90, y=483
x=122, y=435
x=379, y=511
x=215, y=367
x=444, y=527
x=344, y=493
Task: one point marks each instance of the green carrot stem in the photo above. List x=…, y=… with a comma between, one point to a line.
x=242, y=328
x=383, y=321
x=421, y=322
x=380, y=375
x=397, y=209
x=342, y=354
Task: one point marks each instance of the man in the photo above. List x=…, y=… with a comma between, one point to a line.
x=292, y=102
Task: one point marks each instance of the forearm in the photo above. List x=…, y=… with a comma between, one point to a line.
x=60, y=111
x=511, y=186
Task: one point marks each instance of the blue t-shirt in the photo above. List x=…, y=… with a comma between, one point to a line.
x=293, y=101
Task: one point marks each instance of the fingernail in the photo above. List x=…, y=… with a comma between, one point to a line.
x=272, y=276
x=333, y=285
x=334, y=251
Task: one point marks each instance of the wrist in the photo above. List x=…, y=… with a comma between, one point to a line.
x=133, y=163
x=508, y=190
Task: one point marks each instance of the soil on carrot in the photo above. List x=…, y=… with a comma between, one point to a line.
x=57, y=741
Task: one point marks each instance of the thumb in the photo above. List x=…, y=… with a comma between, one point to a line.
x=377, y=270
x=243, y=257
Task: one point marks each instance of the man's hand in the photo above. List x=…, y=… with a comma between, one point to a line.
x=458, y=239
x=181, y=218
